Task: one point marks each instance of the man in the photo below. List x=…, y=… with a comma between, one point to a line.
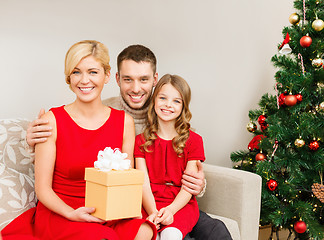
x=136, y=78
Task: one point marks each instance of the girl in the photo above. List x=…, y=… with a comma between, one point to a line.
x=80, y=130
x=164, y=151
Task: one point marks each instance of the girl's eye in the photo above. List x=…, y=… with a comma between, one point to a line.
x=177, y=101
x=162, y=98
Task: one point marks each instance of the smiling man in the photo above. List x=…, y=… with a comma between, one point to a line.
x=136, y=78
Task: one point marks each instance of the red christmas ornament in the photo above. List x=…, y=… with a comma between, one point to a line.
x=260, y=157
x=300, y=226
x=290, y=100
x=299, y=97
x=264, y=127
x=305, y=41
x=313, y=145
x=254, y=143
x=281, y=99
x=261, y=119
x=272, y=184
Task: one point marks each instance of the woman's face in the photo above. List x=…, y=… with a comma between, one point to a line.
x=88, y=79
x=168, y=103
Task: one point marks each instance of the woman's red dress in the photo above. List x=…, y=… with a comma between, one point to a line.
x=76, y=149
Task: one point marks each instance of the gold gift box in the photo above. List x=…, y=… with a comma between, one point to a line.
x=115, y=194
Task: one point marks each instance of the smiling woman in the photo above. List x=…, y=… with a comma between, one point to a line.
x=88, y=79
x=60, y=162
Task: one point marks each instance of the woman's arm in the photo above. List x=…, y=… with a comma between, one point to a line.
x=129, y=138
x=183, y=197
x=45, y=156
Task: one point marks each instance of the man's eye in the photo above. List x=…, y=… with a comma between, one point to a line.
x=127, y=79
x=144, y=79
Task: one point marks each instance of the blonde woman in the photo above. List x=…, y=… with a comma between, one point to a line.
x=80, y=130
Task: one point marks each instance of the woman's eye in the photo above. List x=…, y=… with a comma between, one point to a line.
x=93, y=72
x=75, y=72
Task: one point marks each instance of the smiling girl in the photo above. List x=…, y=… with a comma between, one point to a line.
x=164, y=151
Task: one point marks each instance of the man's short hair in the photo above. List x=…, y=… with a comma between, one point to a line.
x=137, y=53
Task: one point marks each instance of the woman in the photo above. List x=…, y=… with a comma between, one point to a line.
x=80, y=130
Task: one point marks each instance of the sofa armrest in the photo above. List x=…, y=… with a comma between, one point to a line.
x=235, y=194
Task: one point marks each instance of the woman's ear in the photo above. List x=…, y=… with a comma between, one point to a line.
x=107, y=78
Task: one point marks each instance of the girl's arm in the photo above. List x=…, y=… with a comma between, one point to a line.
x=45, y=155
x=166, y=214
x=148, y=198
x=129, y=138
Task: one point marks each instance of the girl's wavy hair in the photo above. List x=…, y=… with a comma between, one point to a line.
x=182, y=124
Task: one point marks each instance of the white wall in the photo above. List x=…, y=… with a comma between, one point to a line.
x=222, y=48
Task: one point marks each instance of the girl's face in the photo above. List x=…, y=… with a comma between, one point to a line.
x=168, y=103
x=88, y=79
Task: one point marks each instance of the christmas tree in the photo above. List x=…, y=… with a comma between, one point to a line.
x=287, y=150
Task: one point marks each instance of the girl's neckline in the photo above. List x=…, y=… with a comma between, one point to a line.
x=167, y=140
x=86, y=129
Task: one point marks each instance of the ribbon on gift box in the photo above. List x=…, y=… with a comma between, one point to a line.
x=112, y=159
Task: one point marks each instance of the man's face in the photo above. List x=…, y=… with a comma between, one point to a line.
x=136, y=82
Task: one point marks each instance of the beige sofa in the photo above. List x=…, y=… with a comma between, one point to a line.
x=232, y=195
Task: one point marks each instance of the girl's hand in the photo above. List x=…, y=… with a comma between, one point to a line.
x=164, y=216
x=82, y=214
x=152, y=218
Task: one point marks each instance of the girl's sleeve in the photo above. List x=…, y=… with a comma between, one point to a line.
x=137, y=148
x=195, y=147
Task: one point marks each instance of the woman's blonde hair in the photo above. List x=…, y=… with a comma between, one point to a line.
x=83, y=49
x=182, y=124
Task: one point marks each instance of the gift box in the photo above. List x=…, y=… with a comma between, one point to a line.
x=116, y=194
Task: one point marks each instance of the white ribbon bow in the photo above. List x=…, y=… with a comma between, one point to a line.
x=109, y=159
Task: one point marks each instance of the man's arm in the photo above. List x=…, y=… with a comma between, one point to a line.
x=194, y=182
x=38, y=131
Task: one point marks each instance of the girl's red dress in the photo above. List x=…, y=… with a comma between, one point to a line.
x=76, y=149
x=165, y=170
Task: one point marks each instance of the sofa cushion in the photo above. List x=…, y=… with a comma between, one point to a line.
x=16, y=171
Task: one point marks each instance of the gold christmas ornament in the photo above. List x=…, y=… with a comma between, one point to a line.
x=294, y=18
x=317, y=62
x=251, y=127
x=299, y=142
x=318, y=25
x=320, y=85
x=321, y=106
x=318, y=190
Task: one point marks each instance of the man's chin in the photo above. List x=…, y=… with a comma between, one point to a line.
x=135, y=105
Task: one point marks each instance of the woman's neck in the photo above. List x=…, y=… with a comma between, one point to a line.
x=88, y=115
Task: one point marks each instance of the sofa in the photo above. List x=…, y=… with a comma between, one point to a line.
x=232, y=196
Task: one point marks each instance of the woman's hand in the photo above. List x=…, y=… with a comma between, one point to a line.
x=164, y=216
x=82, y=214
